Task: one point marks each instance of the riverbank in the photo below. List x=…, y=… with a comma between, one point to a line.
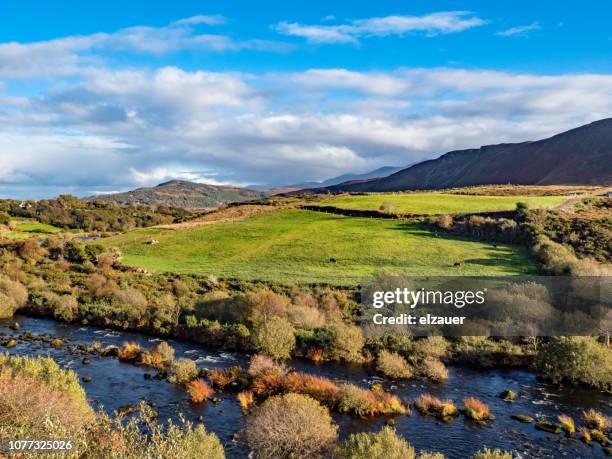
x=115, y=384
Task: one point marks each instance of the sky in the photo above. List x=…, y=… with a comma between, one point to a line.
x=108, y=96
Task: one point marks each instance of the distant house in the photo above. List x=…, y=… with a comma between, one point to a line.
x=25, y=205
x=608, y=194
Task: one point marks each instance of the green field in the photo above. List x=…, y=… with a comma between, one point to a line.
x=25, y=229
x=297, y=245
x=439, y=203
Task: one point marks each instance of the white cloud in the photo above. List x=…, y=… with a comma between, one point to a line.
x=519, y=30
x=430, y=24
x=75, y=55
x=202, y=19
x=114, y=130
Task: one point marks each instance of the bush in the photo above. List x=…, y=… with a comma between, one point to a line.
x=322, y=389
x=305, y=317
x=129, y=352
x=393, y=365
x=384, y=444
x=291, y=426
x=567, y=424
x=132, y=301
x=266, y=304
x=65, y=307
x=429, y=405
x=183, y=371
x=596, y=420
x=262, y=364
x=476, y=410
x=577, y=360
x=275, y=337
x=199, y=391
x=492, y=454
x=13, y=295
x=431, y=347
x=347, y=342
x=37, y=394
x=363, y=402
x=433, y=369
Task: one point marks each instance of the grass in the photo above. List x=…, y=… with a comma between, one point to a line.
x=297, y=246
x=30, y=228
x=439, y=203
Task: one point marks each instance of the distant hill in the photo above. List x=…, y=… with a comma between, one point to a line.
x=380, y=172
x=581, y=156
x=181, y=193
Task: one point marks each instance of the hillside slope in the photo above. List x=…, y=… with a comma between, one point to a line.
x=579, y=156
x=180, y=193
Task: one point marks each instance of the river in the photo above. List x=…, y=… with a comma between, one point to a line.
x=115, y=384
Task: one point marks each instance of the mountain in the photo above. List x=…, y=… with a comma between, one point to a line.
x=380, y=172
x=581, y=156
x=181, y=193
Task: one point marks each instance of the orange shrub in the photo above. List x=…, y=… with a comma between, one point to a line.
x=246, y=399
x=268, y=384
x=129, y=351
x=223, y=377
x=199, y=391
x=475, y=409
x=317, y=355
x=429, y=405
x=319, y=388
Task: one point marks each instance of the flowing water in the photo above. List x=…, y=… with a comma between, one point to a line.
x=116, y=384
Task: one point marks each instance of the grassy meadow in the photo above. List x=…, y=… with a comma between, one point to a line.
x=25, y=229
x=439, y=203
x=290, y=245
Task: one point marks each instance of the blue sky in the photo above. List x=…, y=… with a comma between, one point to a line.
x=106, y=96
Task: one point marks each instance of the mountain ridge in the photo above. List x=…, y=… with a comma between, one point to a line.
x=579, y=156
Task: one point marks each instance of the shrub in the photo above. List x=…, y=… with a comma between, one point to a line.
x=384, y=444
x=363, y=402
x=99, y=286
x=7, y=306
x=305, y=317
x=129, y=351
x=444, y=222
x=183, y=371
x=37, y=395
x=347, y=342
x=65, y=307
x=393, y=365
x=246, y=399
x=291, y=426
x=492, y=454
x=262, y=364
x=355, y=400
x=475, y=409
x=132, y=301
x=317, y=387
x=265, y=304
x=222, y=377
x=576, y=359
x=567, y=424
x=429, y=405
x=268, y=384
x=433, y=369
x=596, y=420
x=160, y=357
x=275, y=337
x=199, y=391
x=431, y=347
